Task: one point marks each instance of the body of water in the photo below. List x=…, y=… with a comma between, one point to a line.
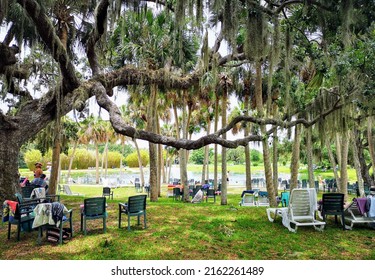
x=121, y=178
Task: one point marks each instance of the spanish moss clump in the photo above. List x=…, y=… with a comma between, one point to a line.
x=346, y=15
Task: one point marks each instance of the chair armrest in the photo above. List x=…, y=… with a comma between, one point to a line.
x=123, y=207
x=70, y=212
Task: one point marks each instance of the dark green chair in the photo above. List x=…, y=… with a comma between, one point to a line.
x=136, y=206
x=333, y=204
x=93, y=208
x=107, y=191
x=26, y=192
x=210, y=193
x=177, y=194
x=23, y=217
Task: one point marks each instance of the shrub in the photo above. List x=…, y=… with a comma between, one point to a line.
x=83, y=159
x=33, y=156
x=114, y=159
x=132, y=159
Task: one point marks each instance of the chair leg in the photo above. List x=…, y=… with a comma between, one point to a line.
x=40, y=234
x=128, y=222
x=71, y=226
x=343, y=221
x=139, y=219
x=61, y=233
x=105, y=224
x=144, y=220
x=119, y=218
x=9, y=227
x=18, y=231
x=84, y=226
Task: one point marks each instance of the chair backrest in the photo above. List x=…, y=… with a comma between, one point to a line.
x=67, y=189
x=19, y=197
x=26, y=191
x=106, y=190
x=263, y=198
x=285, y=199
x=176, y=191
x=248, y=199
x=332, y=202
x=302, y=203
x=137, y=203
x=25, y=207
x=94, y=206
x=210, y=192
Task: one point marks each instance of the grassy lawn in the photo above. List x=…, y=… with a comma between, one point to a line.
x=185, y=231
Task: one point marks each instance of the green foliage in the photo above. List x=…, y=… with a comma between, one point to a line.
x=237, y=156
x=33, y=156
x=256, y=156
x=83, y=159
x=132, y=159
x=197, y=156
x=122, y=149
x=114, y=159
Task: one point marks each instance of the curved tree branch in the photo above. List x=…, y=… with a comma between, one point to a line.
x=96, y=33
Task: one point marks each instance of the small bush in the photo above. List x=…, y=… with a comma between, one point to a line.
x=132, y=159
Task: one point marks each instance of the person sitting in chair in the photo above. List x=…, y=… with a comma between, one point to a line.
x=38, y=170
x=40, y=182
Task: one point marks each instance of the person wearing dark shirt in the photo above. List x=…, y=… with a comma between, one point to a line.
x=41, y=182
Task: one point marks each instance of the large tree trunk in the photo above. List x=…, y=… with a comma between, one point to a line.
x=371, y=144
x=224, y=178
x=247, y=147
x=294, y=166
x=141, y=173
x=160, y=155
x=266, y=149
x=343, y=187
x=275, y=162
x=53, y=180
x=151, y=114
x=333, y=162
x=362, y=160
x=216, y=126
x=357, y=164
x=71, y=160
x=9, y=175
x=97, y=162
x=206, y=159
x=309, y=152
x=183, y=152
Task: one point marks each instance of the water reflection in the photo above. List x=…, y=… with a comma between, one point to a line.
x=121, y=178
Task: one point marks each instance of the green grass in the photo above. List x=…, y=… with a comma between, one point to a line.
x=181, y=231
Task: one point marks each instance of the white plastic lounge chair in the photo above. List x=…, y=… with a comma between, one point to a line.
x=356, y=214
x=248, y=199
x=263, y=199
x=68, y=191
x=300, y=211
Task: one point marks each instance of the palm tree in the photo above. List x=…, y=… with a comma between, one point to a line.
x=95, y=131
x=133, y=114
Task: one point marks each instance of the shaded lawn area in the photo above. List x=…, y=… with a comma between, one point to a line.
x=185, y=231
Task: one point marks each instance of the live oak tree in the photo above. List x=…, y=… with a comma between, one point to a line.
x=74, y=31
